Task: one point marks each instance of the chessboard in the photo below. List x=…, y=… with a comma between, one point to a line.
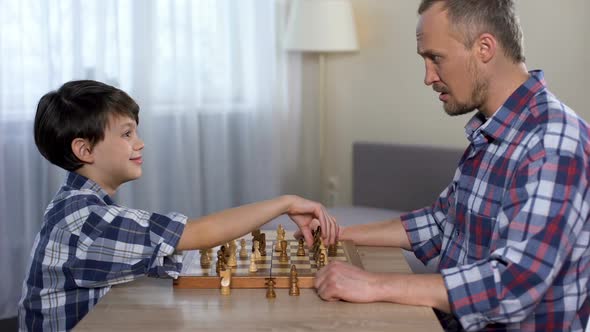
x=195, y=276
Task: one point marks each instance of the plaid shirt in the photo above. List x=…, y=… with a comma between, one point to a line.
x=512, y=230
x=87, y=244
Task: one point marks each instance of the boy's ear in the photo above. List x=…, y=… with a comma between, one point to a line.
x=83, y=150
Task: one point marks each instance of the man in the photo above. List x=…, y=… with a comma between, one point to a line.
x=512, y=230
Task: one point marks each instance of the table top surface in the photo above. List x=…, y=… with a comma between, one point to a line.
x=154, y=305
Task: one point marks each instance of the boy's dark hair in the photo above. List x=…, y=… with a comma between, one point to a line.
x=78, y=109
x=471, y=18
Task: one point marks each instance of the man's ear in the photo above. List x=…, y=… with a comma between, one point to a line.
x=83, y=150
x=486, y=47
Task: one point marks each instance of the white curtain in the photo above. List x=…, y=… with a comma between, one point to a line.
x=220, y=106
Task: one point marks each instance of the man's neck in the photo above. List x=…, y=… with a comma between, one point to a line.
x=502, y=84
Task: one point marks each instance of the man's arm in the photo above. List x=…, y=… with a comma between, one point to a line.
x=389, y=233
x=340, y=281
x=220, y=227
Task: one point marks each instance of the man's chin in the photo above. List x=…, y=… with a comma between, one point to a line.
x=456, y=111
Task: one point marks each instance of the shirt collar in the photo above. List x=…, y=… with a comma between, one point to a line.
x=77, y=181
x=498, y=126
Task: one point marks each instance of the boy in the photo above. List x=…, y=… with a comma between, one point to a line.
x=87, y=243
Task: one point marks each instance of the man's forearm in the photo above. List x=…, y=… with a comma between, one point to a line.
x=414, y=289
x=390, y=233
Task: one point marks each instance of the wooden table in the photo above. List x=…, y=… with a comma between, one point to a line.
x=153, y=305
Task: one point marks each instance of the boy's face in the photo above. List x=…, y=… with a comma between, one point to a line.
x=117, y=158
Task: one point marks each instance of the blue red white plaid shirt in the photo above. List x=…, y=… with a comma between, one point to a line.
x=512, y=230
x=87, y=244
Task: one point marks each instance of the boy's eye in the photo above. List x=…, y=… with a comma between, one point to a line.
x=127, y=134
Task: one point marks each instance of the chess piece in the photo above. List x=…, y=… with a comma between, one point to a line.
x=262, y=241
x=316, y=255
x=233, y=247
x=316, y=242
x=225, y=282
x=223, y=249
x=256, y=252
x=255, y=233
x=256, y=237
x=280, y=237
x=316, y=249
x=332, y=250
x=232, y=260
x=323, y=255
x=324, y=251
x=283, y=258
x=243, y=250
x=227, y=250
x=205, y=261
x=270, y=290
x=322, y=260
x=253, y=267
x=219, y=263
x=301, y=248
x=294, y=289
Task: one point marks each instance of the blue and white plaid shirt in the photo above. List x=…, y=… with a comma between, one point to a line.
x=87, y=244
x=512, y=230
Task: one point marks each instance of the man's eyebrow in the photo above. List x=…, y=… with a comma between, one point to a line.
x=428, y=53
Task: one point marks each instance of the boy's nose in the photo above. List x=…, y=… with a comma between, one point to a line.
x=139, y=144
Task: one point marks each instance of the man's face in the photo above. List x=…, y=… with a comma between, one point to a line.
x=118, y=156
x=451, y=69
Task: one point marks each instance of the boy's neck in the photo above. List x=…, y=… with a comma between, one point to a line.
x=109, y=188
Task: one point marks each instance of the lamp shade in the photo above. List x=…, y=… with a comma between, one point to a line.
x=321, y=26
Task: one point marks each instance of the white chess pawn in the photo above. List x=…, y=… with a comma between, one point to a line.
x=205, y=261
x=225, y=282
x=256, y=252
x=253, y=267
x=232, y=260
x=243, y=250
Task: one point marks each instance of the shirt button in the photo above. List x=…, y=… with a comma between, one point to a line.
x=457, y=232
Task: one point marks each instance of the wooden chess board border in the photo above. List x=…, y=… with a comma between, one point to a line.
x=258, y=281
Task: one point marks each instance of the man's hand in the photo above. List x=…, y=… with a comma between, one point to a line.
x=342, y=281
x=308, y=215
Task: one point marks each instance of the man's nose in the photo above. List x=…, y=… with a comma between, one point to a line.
x=430, y=76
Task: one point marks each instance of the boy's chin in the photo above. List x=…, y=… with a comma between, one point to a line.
x=136, y=175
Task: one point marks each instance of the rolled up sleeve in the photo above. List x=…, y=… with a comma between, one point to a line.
x=424, y=227
x=118, y=244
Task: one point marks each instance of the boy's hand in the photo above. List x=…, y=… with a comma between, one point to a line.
x=308, y=215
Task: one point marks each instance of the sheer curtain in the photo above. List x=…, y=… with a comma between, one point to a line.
x=220, y=106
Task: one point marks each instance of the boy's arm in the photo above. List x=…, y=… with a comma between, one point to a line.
x=220, y=227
